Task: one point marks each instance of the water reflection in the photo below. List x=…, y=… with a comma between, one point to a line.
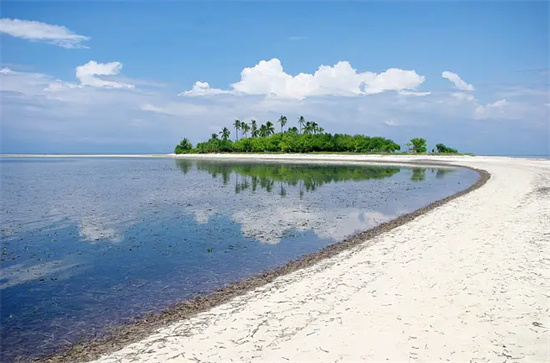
x=418, y=174
x=269, y=176
x=96, y=241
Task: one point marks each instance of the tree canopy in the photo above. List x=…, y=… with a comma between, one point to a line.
x=441, y=148
x=306, y=136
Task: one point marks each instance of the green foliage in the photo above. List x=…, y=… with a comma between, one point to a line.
x=184, y=146
x=418, y=145
x=282, y=120
x=237, y=125
x=245, y=128
x=254, y=128
x=225, y=133
x=293, y=142
x=441, y=148
x=270, y=129
x=309, y=137
x=301, y=123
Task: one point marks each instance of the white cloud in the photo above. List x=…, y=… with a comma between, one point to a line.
x=391, y=123
x=414, y=93
x=42, y=32
x=42, y=114
x=59, y=86
x=202, y=89
x=87, y=74
x=491, y=110
x=394, y=79
x=457, y=81
x=269, y=78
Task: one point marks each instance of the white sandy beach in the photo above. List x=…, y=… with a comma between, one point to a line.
x=467, y=281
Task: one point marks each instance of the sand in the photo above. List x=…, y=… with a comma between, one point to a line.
x=466, y=281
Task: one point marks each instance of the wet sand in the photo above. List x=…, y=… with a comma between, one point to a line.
x=463, y=279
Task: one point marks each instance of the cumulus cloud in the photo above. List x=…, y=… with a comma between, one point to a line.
x=87, y=74
x=457, y=81
x=269, y=78
x=202, y=89
x=42, y=32
x=71, y=117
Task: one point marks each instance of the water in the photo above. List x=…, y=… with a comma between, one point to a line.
x=89, y=243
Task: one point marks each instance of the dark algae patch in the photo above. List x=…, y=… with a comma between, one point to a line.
x=106, y=251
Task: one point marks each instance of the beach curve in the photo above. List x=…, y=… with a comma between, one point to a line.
x=465, y=280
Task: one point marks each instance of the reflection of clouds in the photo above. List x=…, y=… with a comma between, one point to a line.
x=21, y=273
x=46, y=196
x=95, y=229
x=201, y=214
x=102, y=201
x=331, y=223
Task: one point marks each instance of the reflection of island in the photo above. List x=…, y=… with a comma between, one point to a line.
x=419, y=174
x=271, y=176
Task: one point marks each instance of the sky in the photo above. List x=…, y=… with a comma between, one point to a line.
x=137, y=77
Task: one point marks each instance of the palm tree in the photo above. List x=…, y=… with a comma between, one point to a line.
x=254, y=128
x=214, y=136
x=308, y=128
x=314, y=127
x=245, y=128
x=282, y=121
x=301, y=122
x=270, y=128
x=225, y=133
x=263, y=131
x=237, y=125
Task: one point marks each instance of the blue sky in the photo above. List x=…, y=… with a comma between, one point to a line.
x=383, y=72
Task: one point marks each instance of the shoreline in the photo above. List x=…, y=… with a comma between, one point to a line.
x=263, y=156
x=144, y=326
x=146, y=332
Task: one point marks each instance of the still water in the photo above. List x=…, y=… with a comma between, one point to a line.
x=88, y=243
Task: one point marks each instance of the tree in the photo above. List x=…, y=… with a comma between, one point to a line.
x=282, y=121
x=308, y=128
x=309, y=138
x=263, y=131
x=315, y=128
x=245, y=128
x=418, y=145
x=301, y=122
x=225, y=133
x=254, y=128
x=237, y=125
x=184, y=146
x=270, y=128
x=441, y=148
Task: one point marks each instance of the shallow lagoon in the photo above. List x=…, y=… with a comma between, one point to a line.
x=91, y=243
